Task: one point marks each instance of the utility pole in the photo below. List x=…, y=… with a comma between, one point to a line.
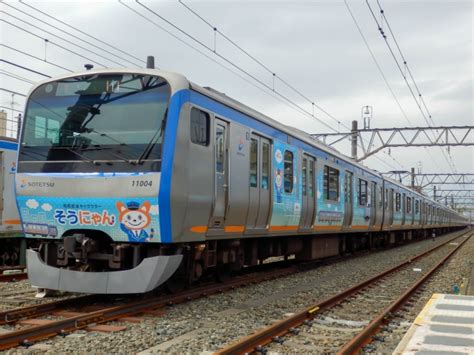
x=18, y=126
x=412, y=178
x=354, y=134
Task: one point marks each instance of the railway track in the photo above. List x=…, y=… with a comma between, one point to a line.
x=72, y=317
x=334, y=325
x=9, y=274
x=81, y=320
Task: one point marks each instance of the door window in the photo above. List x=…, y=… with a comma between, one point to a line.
x=311, y=179
x=265, y=165
x=288, y=167
x=253, y=163
x=331, y=183
x=362, y=192
x=220, y=131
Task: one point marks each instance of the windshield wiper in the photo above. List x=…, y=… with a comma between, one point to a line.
x=99, y=147
x=146, y=152
x=86, y=158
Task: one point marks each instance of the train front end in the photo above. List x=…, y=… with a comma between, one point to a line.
x=89, y=182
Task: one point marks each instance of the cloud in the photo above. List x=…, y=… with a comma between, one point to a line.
x=32, y=203
x=46, y=207
x=154, y=210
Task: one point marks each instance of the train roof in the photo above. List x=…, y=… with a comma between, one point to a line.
x=179, y=82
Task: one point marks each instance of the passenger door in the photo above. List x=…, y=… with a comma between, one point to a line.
x=348, y=197
x=260, y=183
x=221, y=174
x=308, y=191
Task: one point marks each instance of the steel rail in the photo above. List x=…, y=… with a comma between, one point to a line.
x=266, y=335
x=365, y=336
x=17, y=267
x=13, y=277
x=63, y=326
x=14, y=315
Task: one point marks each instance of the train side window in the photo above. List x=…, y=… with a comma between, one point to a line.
x=265, y=165
x=397, y=202
x=417, y=206
x=288, y=167
x=253, y=163
x=331, y=183
x=362, y=192
x=199, y=127
x=408, y=204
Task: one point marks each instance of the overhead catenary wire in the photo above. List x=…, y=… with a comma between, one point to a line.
x=17, y=77
x=452, y=167
x=62, y=39
x=261, y=64
x=25, y=68
x=380, y=70
x=89, y=59
x=405, y=63
x=82, y=32
x=372, y=55
x=265, y=86
x=407, y=67
x=215, y=29
x=35, y=57
x=53, y=43
x=228, y=61
x=74, y=36
x=13, y=92
x=269, y=92
x=11, y=109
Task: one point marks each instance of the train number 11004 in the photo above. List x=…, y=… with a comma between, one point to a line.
x=142, y=183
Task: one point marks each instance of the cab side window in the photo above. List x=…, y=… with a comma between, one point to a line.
x=199, y=127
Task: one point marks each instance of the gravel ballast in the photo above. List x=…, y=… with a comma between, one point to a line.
x=209, y=323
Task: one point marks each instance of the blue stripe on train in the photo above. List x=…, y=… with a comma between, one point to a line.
x=177, y=100
x=8, y=145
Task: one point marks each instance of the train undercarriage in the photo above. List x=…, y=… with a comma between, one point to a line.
x=12, y=250
x=76, y=257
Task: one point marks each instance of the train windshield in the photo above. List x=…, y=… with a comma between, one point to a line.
x=99, y=122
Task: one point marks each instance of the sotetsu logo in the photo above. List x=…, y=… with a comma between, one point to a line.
x=24, y=183
x=40, y=184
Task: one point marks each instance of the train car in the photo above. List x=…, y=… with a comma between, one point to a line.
x=149, y=178
x=11, y=242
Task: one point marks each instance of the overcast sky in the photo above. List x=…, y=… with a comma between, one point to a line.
x=312, y=45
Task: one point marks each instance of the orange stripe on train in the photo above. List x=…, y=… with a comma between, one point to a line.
x=12, y=221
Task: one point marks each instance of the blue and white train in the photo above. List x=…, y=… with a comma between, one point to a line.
x=148, y=178
x=12, y=245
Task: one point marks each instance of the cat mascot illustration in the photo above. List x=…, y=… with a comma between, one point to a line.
x=134, y=218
